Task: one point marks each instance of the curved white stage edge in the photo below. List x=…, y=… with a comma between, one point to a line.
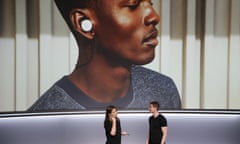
x=184, y=127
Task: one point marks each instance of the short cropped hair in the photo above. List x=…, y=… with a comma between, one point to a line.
x=65, y=6
x=155, y=104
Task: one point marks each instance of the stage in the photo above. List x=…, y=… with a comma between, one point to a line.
x=86, y=127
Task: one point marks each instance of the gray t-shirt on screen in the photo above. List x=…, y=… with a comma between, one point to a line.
x=146, y=86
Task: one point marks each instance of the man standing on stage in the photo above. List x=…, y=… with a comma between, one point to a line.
x=157, y=125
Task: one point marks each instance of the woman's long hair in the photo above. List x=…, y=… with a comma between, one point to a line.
x=108, y=111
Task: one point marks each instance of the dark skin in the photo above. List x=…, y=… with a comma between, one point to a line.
x=123, y=34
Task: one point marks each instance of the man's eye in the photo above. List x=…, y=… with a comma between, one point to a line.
x=133, y=6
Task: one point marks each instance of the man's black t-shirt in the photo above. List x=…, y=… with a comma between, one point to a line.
x=155, y=129
x=112, y=139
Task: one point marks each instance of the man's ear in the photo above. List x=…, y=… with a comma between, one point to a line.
x=78, y=19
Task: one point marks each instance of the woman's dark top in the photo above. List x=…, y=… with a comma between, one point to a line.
x=116, y=139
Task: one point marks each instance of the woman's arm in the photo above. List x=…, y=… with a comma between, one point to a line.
x=124, y=133
x=114, y=128
x=147, y=140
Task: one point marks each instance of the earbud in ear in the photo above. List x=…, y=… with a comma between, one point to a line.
x=86, y=25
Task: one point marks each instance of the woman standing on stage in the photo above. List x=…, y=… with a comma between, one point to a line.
x=112, y=126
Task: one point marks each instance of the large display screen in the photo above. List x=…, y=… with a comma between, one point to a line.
x=87, y=54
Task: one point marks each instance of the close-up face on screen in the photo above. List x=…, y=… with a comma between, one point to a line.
x=84, y=55
x=119, y=71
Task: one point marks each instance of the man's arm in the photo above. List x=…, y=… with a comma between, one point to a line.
x=164, y=136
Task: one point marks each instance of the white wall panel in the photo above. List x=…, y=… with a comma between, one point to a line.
x=7, y=74
x=215, y=55
x=60, y=45
x=73, y=52
x=192, y=60
x=165, y=37
x=32, y=72
x=234, y=57
x=46, y=51
x=172, y=42
x=21, y=56
x=7, y=55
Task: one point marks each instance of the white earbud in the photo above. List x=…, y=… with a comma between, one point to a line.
x=86, y=25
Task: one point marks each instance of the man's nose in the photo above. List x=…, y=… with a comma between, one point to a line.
x=151, y=16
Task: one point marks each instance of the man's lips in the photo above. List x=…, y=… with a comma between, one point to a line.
x=151, y=38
